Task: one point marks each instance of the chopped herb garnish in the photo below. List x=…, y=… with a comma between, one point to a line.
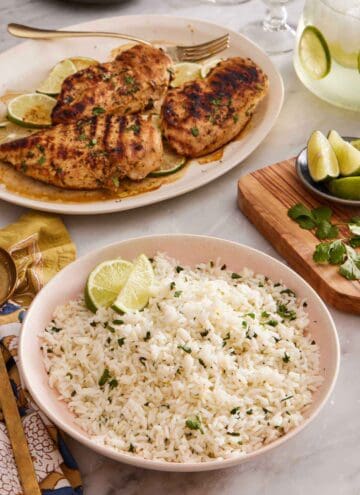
x=235, y=410
x=69, y=375
x=185, y=348
x=132, y=448
x=134, y=127
x=113, y=383
x=223, y=267
x=289, y=292
x=177, y=293
x=179, y=269
x=202, y=363
x=235, y=275
x=266, y=411
x=41, y=160
x=142, y=360
x=98, y=110
x=233, y=433
x=286, y=398
x=147, y=336
x=195, y=131
x=235, y=118
x=92, y=142
x=194, y=424
x=172, y=285
x=118, y=322
x=286, y=357
x=40, y=148
x=104, y=377
x=272, y=323
x=23, y=167
x=73, y=393
x=284, y=312
x=204, y=333
x=249, y=412
x=115, y=181
x=265, y=314
x=250, y=315
x=121, y=341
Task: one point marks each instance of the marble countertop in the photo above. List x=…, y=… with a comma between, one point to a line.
x=325, y=458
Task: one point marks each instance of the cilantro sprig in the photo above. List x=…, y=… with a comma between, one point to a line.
x=336, y=252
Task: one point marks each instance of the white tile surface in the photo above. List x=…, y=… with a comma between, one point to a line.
x=325, y=458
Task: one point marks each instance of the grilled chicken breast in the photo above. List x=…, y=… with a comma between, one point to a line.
x=203, y=115
x=136, y=78
x=91, y=154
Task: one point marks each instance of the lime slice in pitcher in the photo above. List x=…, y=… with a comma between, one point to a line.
x=314, y=53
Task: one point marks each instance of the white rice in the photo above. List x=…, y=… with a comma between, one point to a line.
x=208, y=370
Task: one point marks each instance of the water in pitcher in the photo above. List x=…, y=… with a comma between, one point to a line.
x=333, y=42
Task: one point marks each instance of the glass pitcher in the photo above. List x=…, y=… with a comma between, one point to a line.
x=327, y=53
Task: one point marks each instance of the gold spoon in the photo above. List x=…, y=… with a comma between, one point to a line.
x=8, y=276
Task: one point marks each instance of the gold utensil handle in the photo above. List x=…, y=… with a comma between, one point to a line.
x=21, y=31
x=16, y=434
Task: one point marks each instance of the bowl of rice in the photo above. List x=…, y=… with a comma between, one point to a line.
x=233, y=355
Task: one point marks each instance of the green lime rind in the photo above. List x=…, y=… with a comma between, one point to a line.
x=170, y=164
x=31, y=110
x=314, y=53
x=345, y=188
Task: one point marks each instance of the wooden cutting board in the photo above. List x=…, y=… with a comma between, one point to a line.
x=265, y=197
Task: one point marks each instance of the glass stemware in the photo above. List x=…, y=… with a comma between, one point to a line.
x=274, y=34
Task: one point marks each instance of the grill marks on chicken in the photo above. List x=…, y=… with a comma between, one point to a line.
x=133, y=81
x=203, y=115
x=91, y=154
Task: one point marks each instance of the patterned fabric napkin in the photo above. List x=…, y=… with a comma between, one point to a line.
x=40, y=246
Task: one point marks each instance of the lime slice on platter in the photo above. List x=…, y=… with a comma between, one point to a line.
x=83, y=62
x=171, y=162
x=135, y=294
x=345, y=187
x=207, y=66
x=31, y=110
x=184, y=72
x=52, y=84
x=321, y=158
x=105, y=282
x=314, y=53
x=348, y=156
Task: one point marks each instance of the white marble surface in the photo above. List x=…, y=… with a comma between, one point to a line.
x=325, y=458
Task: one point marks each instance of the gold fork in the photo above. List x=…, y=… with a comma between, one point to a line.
x=179, y=53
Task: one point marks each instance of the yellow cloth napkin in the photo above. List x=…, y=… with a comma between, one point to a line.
x=40, y=246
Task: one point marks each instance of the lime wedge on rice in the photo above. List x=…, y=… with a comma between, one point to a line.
x=184, y=72
x=348, y=156
x=171, y=162
x=207, y=66
x=105, y=282
x=321, y=158
x=31, y=110
x=53, y=82
x=83, y=62
x=136, y=292
x=314, y=53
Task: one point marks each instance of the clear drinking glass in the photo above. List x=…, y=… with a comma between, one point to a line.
x=337, y=22
x=274, y=34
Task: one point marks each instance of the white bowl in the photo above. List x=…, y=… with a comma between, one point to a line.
x=190, y=250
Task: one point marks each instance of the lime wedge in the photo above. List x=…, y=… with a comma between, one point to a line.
x=348, y=156
x=184, y=72
x=171, y=162
x=207, y=66
x=31, y=110
x=346, y=187
x=136, y=292
x=356, y=143
x=105, y=282
x=52, y=84
x=83, y=62
x=322, y=161
x=314, y=53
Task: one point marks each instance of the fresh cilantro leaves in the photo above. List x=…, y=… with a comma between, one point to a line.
x=317, y=218
x=337, y=252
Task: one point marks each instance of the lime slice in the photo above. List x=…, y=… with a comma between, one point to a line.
x=356, y=144
x=348, y=156
x=314, y=53
x=184, y=72
x=171, y=163
x=321, y=158
x=135, y=294
x=346, y=187
x=53, y=82
x=31, y=110
x=207, y=66
x=105, y=282
x=343, y=57
x=83, y=62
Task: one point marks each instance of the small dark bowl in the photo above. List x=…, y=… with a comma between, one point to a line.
x=318, y=188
